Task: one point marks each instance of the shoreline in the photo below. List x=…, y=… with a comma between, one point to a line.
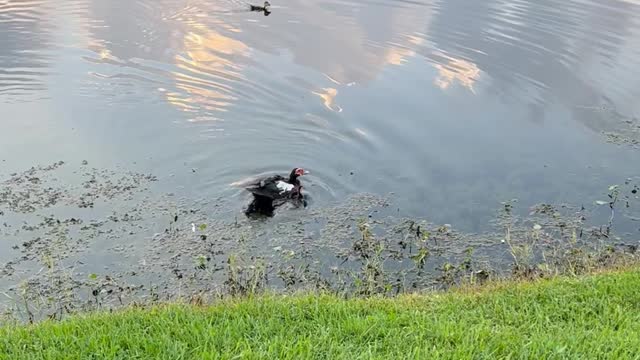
x=590, y=316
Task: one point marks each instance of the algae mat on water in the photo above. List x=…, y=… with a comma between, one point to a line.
x=587, y=318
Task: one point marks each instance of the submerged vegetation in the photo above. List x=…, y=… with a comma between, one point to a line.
x=199, y=253
x=591, y=317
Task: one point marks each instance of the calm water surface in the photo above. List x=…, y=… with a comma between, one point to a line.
x=452, y=105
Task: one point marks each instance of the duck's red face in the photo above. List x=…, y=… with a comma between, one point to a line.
x=300, y=171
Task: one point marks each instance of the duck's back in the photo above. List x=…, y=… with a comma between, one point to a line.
x=273, y=187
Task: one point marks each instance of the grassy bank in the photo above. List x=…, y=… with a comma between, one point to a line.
x=591, y=317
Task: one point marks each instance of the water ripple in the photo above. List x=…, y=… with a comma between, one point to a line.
x=26, y=34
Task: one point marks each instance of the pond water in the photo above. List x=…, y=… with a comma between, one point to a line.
x=452, y=106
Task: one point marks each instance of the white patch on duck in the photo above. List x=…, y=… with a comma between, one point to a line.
x=284, y=186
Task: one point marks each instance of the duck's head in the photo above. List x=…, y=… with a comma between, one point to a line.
x=297, y=172
x=266, y=5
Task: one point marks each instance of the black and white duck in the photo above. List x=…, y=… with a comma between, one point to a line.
x=264, y=8
x=272, y=191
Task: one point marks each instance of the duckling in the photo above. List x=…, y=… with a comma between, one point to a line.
x=264, y=8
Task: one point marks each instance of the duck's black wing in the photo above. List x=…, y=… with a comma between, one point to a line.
x=266, y=187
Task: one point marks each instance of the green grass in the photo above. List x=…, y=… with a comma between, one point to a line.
x=595, y=317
